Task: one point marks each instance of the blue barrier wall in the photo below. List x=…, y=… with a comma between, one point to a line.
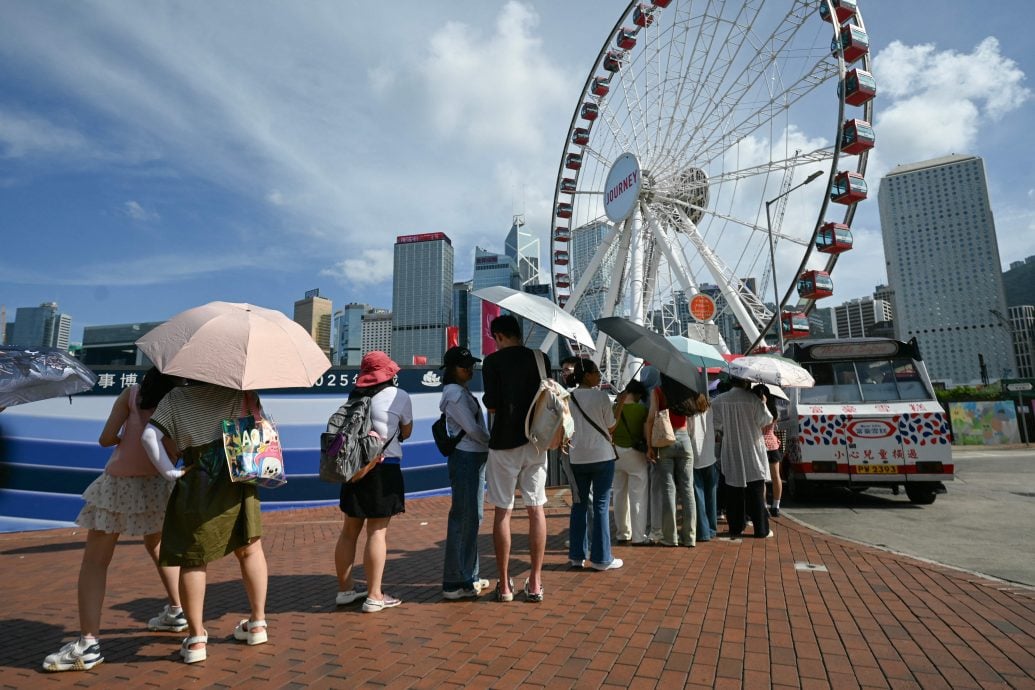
x=49, y=452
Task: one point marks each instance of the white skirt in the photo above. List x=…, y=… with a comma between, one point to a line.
x=125, y=505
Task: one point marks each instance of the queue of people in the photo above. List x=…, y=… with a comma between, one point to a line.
x=194, y=515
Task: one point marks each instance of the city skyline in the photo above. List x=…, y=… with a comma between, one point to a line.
x=171, y=165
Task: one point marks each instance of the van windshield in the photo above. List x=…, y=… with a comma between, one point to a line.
x=871, y=381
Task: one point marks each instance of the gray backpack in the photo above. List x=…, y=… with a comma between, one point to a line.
x=350, y=447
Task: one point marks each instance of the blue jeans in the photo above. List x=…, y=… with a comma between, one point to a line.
x=672, y=482
x=706, y=486
x=467, y=481
x=599, y=476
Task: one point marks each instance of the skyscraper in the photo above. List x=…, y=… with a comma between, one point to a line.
x=422, y=296
x=41, y=326
x=461, y=306
x=584, y=243
x=348, y=334
x=490, y=269
x=313, y=313
x=523, y=247
x=943, y=265
x=857, y=317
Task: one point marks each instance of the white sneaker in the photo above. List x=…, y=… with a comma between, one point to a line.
x=376, y=605
x=74, y=656
x=350, y=597
x=480, y=585
x=462, y=593
x=168, y=621
x=613, y=565
x=576, y=564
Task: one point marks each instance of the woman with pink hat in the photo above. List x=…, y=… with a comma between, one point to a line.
x=379, y=495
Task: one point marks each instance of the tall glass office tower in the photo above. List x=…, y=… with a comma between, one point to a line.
x=422, y=297
x=41, y=326
x=489, y=269
x=523, y=247
x=943, y=265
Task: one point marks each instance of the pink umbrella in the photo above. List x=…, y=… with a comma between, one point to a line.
x=236, y=345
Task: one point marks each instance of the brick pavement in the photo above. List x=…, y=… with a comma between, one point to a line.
x=722, y=615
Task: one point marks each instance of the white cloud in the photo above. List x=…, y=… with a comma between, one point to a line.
x=931, y=102
x=370, y=267
x=22, y=135
x=134, y=211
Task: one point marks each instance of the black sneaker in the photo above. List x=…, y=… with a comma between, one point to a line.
x=74, y=656
x=774, y=512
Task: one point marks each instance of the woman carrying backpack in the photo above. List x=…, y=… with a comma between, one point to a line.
x=466, y=463
x=374, y=499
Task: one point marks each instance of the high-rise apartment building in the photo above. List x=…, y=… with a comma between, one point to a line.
x=347, y=339
x=461, y=310
x=377, y=330
x=856, y=318
x=1022, y=323
x=490, y=270
x=422, y=297
x=42, y=326
x=523, y=247
x=943, y=265
x=584, y=243
x=313, y=313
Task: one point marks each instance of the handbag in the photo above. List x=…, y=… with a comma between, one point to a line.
x=662, y=435
x=445, y=443
x=251, y=444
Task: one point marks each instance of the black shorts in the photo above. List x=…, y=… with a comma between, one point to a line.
x=380, y=494
x=775, y=456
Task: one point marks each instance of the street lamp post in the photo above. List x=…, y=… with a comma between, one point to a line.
x=772, y=252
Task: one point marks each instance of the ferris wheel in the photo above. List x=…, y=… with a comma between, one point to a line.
x=677, y=190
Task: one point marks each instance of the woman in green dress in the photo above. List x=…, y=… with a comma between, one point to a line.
x=208, y=516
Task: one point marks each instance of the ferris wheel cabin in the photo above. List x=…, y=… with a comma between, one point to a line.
x=580, y=137
x=561, y=234
x=613, y=61
x=661, y=3
x=564, y=210
x=568, y=185
x=642, y=16
x=815, y=284
x=849, y=188
x=562, y=281
x=573, y=161
x=853, y=43
x=860, y=87
x=626, y=39
x=834, y=238
x=794, y=325
x=857, y=136
x=589, y=111
x=601, y=85
x=560, y=257
x=843, y=9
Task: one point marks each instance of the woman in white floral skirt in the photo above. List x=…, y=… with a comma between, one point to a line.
x=128, y=498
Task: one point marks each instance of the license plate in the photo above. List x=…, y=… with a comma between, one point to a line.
x=876, y=469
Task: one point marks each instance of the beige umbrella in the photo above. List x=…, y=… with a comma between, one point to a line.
x=236, y=345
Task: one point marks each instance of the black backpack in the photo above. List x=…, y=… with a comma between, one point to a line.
x=445, y=443
x=681, y=399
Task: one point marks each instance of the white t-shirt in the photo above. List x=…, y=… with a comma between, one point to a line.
x=587, y=444
x=388, y=409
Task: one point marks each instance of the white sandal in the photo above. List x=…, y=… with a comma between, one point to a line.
x=192, y=656
x=243, y=632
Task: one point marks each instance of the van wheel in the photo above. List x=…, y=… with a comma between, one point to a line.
x=921, y=495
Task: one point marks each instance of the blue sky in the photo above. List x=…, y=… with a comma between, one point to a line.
x=155, y=156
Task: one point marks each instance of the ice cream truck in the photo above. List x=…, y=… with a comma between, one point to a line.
x=871, y=419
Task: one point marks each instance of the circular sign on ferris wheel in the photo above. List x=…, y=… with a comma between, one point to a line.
x=622, y=188
x=702, y=307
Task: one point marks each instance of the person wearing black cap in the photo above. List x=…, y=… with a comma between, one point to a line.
x=460, y=579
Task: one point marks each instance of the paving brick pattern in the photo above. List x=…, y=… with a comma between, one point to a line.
x=723, y=615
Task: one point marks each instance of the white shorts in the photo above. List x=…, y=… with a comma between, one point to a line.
x=523, y=467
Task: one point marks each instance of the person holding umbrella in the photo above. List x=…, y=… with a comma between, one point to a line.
x=380, y=494
x=128, y=498
x=739, y=416
x=208, y=516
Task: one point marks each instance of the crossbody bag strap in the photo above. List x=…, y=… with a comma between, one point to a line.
x=591, y=422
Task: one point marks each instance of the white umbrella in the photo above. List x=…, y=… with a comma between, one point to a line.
x=776, y=391
x=540, y=310
x=30, y=374
x=236, y=345
x=771, y=369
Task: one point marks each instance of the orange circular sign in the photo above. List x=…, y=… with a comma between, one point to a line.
x=702, y=307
